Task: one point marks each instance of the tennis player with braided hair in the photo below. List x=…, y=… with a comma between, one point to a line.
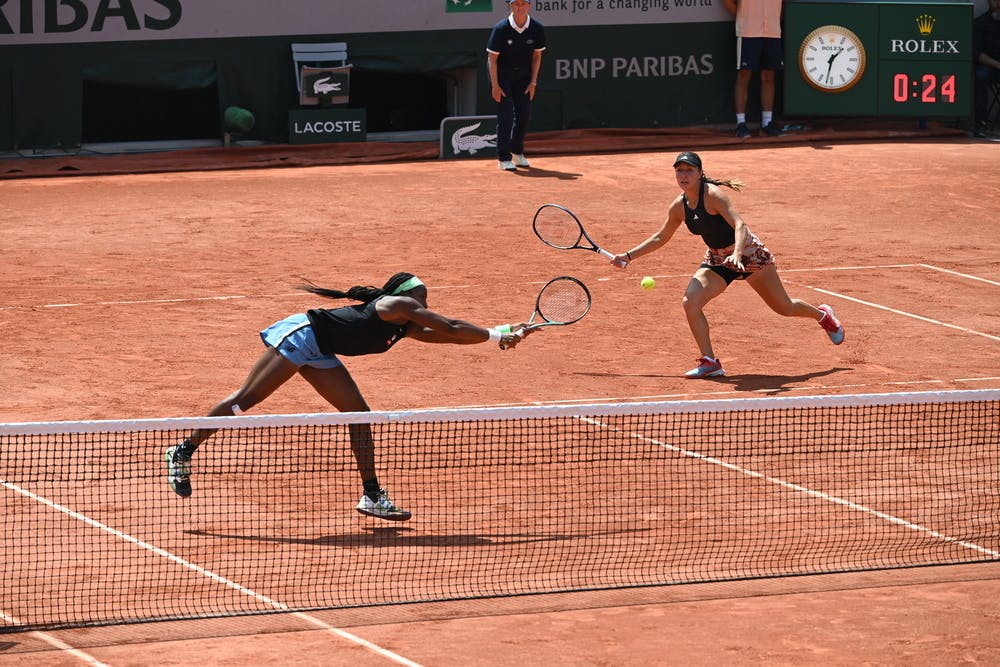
x=734, y=253
x=310, y=343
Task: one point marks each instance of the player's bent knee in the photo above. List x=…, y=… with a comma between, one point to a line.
x=692, y=305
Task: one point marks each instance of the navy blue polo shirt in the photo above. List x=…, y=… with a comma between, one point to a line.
x=515, y=49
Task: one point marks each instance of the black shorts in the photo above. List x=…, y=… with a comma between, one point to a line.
x=757, y=53
x=729, y=275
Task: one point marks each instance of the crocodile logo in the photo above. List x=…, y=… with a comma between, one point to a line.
x=325, y=85
x=462, y=140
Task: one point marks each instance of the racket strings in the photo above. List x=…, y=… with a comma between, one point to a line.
x=558, y=228
x=563, y=301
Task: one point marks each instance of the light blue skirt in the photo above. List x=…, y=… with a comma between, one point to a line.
x=294, y=339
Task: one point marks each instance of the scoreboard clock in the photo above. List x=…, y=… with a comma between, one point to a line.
x=878, y=58
x=832, y=58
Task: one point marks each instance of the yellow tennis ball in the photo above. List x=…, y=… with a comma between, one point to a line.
x=647, y=283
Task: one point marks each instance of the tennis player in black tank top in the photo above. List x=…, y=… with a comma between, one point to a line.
x=309, y=344
x=733, y=253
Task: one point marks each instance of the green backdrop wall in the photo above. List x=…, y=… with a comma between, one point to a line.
x=647, y=75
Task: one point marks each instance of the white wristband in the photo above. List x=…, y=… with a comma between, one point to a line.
x=495, y=335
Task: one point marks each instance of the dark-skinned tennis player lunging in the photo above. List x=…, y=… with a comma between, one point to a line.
x=734, y=253
x=310, y=343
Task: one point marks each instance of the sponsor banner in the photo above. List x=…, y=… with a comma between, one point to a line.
x=326, y=126
x=79, y=21
x=469, y=136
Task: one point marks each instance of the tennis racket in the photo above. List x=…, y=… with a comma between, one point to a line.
x=561, y=301
x=557, y=226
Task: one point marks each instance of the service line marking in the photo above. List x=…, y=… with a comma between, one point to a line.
x=798, y=488
x=960, y=275
x=235, y=297
x=896, y=311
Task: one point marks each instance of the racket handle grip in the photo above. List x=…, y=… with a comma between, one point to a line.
x=619, y=264
x=519, y=334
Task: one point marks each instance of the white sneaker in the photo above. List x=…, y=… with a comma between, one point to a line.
x=382, y=508
x=178, y=470
x=520, y=160
x=507, y=165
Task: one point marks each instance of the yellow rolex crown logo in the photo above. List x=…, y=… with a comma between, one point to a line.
x=925, y=23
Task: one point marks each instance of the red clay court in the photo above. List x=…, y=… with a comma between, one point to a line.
x=140, y=295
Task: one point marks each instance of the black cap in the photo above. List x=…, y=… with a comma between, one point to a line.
x=687, y=157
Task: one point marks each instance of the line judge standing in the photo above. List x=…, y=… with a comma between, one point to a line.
x=758, y=49
x=514, y=56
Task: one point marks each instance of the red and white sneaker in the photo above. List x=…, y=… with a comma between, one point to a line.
x=706, y=368
x=831, y=325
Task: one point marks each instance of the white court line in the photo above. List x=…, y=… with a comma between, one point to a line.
x=805, y=490
x=385, y=653
x=233, y=297
x=914, y=316
x=906, y=314
x=59, y=644
x=852, y=268
x=960, y=275
x=145, y=302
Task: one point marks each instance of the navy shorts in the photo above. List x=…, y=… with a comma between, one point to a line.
x=757, y=53
x=294, y=339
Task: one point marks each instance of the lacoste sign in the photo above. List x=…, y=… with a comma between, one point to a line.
x=325, y=126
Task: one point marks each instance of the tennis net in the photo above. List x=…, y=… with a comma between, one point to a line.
x=505, y=501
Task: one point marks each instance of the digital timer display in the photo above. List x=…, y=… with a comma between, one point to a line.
x=927, y=89
x=892, y=58
x=923, y=88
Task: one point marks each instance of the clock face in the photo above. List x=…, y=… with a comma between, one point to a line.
x=832, y=58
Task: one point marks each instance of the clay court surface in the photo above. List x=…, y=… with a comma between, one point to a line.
x=140, y=296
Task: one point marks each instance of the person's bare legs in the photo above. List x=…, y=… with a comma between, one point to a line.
x=270, y=371
x=704, y=286
x=742, y=88
x=768, y=285
x=339, y=389
x=766, y=90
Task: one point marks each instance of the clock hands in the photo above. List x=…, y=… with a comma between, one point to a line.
x=824, y=45
x=829, y=65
